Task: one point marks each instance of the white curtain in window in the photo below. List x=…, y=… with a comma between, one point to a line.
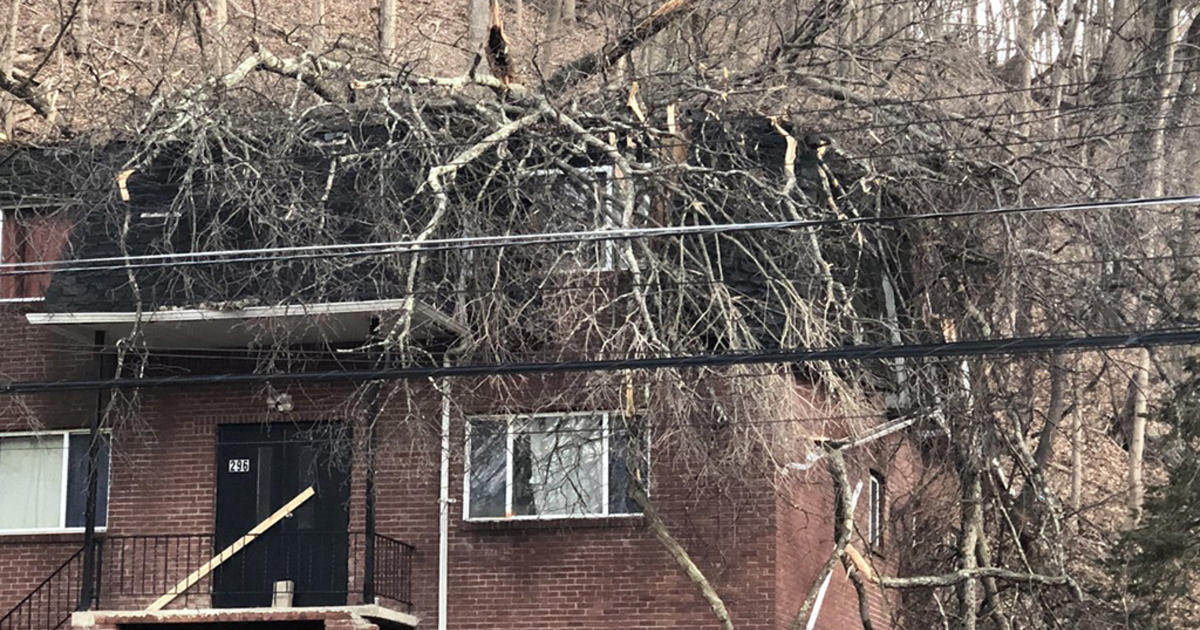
x=31, y=482
x=568, y=465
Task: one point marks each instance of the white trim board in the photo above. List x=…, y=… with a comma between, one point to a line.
x=334, y=321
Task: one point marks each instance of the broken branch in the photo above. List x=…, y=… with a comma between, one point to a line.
x=590, y=64
x=681, y=557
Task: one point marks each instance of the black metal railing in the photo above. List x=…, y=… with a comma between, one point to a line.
x=50, y=604
x=131, y=572
x=393, y=570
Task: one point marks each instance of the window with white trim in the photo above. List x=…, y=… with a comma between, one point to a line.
x=43, y=481
x=875, y=509
x=550, y=465
x=579, y=200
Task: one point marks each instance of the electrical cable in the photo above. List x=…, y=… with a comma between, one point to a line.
x=617, y=289
x=202, y=258
x=988, y=347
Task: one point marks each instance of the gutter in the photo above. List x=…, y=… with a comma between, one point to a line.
x=187, y=315
x=444, y=511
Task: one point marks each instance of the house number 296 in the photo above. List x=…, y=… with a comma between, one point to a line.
x=239, y=465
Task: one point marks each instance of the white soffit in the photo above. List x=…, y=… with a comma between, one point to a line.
x=336, y=322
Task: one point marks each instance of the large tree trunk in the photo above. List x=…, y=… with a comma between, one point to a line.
x=1076, y=470
x=1119, y=30
x=1150, y=146
x=387, y=27
x=83, y=27
x=681, y=557
x=7, y=55
x=478, y=12
x=968, y=591
x=1067, y=36
x=217, y=35
x=1023, y=68
x=318, y=18
x=1139, y=409
x=554, y=14
x=10, y=38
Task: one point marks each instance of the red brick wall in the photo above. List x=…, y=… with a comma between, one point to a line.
x=579, y=574
x=804, y=537
x=26, y=560
x=30, y=353
x=587, y=574
x=35, y=353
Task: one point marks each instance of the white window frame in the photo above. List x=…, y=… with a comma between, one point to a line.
x=66, y=460
x=603, y=221
x=875, y=486
x=508, y=420
x=3, y=257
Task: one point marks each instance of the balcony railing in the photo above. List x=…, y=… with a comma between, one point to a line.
x=48, y=606
x=131, y=572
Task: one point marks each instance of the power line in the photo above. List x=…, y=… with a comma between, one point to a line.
x=616, y=288
x=989, y=347
x=55, y=442
x=357, y=355
x=346, y=250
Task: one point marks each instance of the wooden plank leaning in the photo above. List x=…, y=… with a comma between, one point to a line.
x=229, y=551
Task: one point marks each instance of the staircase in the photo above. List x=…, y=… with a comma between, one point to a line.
x=50, y=604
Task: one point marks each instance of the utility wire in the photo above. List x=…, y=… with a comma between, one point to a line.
x=615, y=288
x=356, y=355
x=1003, y=346
x=56, y=441
x=345, y=250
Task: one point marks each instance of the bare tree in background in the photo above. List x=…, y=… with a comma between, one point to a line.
x=724, y=111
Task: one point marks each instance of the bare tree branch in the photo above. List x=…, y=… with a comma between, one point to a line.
x=681, y=557
x=594, y=63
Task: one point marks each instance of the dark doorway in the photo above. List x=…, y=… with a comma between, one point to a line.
x=260, y=467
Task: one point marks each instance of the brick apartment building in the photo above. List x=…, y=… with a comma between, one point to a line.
x=499, y=533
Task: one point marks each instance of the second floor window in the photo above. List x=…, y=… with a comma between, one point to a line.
x=541, y=466
x=575, y=202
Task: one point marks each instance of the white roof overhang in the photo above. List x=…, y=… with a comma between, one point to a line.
x=336, y=322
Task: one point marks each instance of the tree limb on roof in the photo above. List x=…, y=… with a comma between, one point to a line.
x=592, y=63
x=306, y=69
